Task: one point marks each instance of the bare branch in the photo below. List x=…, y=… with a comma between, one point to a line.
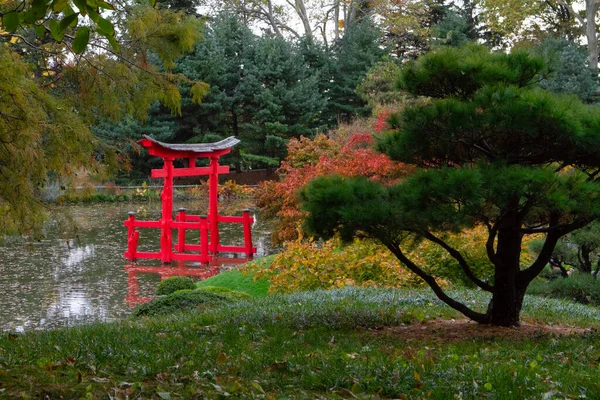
x=578, y=17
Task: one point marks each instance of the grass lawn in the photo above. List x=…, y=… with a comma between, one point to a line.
x=365, y=343
x=235, y=280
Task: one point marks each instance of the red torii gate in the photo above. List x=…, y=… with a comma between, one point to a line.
x=204, y=224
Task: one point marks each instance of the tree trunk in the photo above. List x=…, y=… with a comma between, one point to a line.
x=468, y=13
x=507, y=298
x=272, y=20
x=336, y=19
x=236, y=132
x=303, y=15
x=586, y=263
x=591, y=7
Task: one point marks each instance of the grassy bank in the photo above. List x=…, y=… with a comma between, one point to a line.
x=365, y=343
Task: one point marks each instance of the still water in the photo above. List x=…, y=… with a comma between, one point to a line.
x=59, y=282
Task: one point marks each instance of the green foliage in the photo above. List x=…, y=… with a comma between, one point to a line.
x=449, y=72
x=261, y=90
x=568, y=71
x=180, y=301
x=578, y=249
x=238, y=282
x=350, y=60
x=57, y=16
x=78, y=196
x=173, y=284
x=230, y=294
x=40, y=136
x=379, y=86
x=310, y=266
x=489, y=141
x=452, y=30
x=581, y=288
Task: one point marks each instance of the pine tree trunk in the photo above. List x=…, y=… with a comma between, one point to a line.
x=507, y=298
x=586, y=263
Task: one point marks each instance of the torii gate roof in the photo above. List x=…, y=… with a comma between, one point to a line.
x=157, y=148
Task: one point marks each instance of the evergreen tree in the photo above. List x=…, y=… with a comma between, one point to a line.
x=569, y=73
x=118, y=141
x=261, y=91
x=496, y=151
x=351, y=58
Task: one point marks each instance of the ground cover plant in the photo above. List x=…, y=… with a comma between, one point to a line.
x=173, y=284
x=368, y=343
x=495, y=150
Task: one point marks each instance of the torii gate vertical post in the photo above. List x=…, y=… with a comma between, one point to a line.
x=213, y=198
x=166, y=235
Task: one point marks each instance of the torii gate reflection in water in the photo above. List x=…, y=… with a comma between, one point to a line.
x=206, y=225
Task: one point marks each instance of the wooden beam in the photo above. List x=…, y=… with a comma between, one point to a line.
x=197, y=171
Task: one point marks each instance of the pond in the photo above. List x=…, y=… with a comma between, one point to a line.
x=58, y=282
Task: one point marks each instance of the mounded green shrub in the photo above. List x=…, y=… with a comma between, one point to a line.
x=173, y=284
x=582, y=288
x=181, y=300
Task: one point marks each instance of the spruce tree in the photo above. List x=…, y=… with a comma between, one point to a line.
x=261, y=91
x=496, y=151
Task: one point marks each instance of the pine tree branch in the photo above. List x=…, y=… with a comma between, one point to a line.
x=554, y=233
x=458, y=257
x=430, y=280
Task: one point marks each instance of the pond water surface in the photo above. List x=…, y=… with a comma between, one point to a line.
x=57, y=282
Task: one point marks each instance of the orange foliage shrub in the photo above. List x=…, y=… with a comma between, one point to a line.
x=348, y=155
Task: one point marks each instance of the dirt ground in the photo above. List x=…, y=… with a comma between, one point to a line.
x=463, y=329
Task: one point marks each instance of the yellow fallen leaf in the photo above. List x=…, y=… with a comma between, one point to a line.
x=222, y=358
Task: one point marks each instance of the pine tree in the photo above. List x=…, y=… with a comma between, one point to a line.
x=350, y=60
x=495, y=151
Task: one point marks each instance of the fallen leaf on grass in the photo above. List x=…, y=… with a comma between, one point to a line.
x=346, y=393
x=99, y=380
x=221, y=358
x=278, y=366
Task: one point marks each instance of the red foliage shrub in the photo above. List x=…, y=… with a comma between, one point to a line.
x=308, y=159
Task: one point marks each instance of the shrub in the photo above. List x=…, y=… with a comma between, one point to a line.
x=309, y=266
x=582, y=288
x=181, y=300
x=173, y=284
x=347, y=155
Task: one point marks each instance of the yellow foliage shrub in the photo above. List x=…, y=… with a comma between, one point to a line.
x=310, y=265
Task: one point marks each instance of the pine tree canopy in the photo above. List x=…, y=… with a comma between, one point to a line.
x=495, y=149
